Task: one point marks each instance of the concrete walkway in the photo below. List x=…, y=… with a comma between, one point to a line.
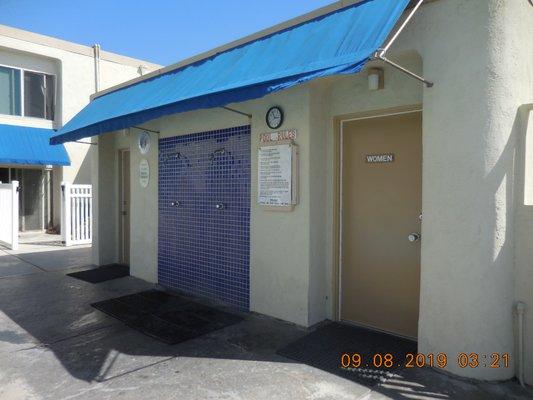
x=40, y=252
x=54, y=345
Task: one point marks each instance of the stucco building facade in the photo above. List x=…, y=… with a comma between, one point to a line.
x=476, y=217
x=71, y=73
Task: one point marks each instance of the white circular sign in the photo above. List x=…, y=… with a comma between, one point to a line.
x=144, y=173
x=144, y=142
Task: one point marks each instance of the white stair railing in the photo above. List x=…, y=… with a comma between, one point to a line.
x=76, y=214
x=9, y=214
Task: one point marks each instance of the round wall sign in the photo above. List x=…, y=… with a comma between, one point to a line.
x=144, y=173
x=144, y=142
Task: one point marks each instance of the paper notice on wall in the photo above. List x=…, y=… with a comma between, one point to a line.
x=275, y=175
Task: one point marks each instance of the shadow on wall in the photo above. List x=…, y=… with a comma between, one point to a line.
x=507, y=178
x=83, y=176
x=523, y=228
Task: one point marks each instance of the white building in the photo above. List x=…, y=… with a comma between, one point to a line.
x=380, y=162
x=43, y=83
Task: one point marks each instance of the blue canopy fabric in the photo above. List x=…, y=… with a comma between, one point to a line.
x=336, y=43
x=30, y=146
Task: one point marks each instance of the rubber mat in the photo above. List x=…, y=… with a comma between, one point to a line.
x=169, y=318
x=354, y=353
x=103, y=273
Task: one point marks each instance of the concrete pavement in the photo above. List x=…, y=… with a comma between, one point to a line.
x=54, y=345
x=40, y=252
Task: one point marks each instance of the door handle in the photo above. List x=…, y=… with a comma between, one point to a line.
x=220, y=206
x=175, y=204
x=414, y=237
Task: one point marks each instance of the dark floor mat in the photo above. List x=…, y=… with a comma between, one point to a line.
x=324, y=349
x=169, y=318
x=103, y=273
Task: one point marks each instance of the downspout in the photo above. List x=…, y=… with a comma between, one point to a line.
x=520, y=309
x=96, y=51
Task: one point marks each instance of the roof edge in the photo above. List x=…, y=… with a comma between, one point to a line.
x=49, y=41
x=330, y=8
x=238, y=42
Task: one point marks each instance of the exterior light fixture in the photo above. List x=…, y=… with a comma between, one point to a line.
x=376, y=79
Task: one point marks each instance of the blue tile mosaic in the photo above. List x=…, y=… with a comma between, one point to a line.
x=204, y=214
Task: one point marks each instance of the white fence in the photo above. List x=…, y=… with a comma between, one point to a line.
x=9, y=214
x=76, y=214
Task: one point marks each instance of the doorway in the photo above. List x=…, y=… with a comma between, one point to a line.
x=124, y=206
x=380, y=221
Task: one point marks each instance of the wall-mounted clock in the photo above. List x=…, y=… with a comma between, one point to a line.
x=274, y=117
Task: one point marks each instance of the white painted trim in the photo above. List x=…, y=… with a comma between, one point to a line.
x=76, y=214
x=15, y=216
x=22, y=110
x=65, y=213
x=339, y=278
x=9, y=205
x=42, y=196
x=27, y=69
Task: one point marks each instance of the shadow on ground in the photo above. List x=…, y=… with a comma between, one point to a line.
x=46, y=318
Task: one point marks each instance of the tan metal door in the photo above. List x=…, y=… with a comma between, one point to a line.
x=381, y=207
x=124, y=191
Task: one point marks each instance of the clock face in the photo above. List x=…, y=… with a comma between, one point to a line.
x=274, y=117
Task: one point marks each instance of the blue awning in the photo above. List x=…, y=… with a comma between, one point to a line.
x=336, y=43
x=30, y=146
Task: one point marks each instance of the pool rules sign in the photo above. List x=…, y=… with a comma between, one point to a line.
x=277, y=183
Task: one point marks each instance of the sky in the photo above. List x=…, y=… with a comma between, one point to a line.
x=159, y=31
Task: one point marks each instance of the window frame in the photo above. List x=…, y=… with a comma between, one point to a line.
x=22, y=93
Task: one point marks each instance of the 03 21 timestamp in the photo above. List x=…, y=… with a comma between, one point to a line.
x=420, y=360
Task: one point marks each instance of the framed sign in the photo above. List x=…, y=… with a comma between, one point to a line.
x=288, y=134
x=384, y=158
x=277, y=181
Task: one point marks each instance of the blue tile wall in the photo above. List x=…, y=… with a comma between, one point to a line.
x=204, y=250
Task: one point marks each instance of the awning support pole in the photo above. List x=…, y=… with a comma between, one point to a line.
x=144, y=129
x=90, y=143
x=380, y=54
x=237, y=111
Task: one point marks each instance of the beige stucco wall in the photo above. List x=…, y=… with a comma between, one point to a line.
x=471, y=49
x=475, y=247
x=280, y=267
x=73, y=66
x=520, y=56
